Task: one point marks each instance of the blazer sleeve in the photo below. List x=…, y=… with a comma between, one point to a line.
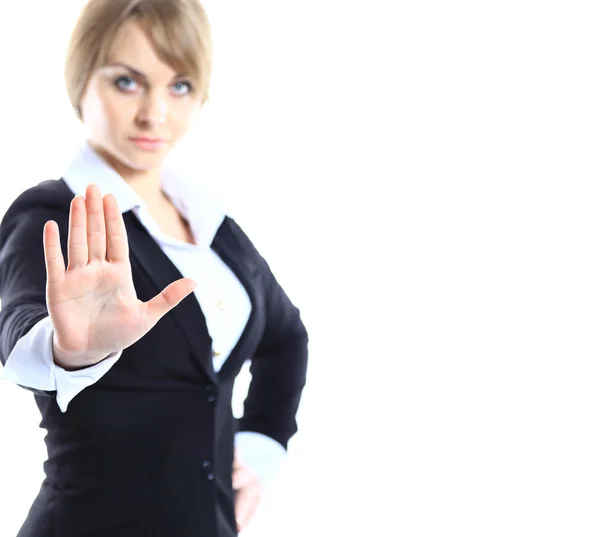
x=279, y=365
x=23, y=272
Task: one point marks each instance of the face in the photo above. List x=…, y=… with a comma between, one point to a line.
x=136, y=96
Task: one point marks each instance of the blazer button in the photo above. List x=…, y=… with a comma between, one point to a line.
x=222, y=306
x=208, y=467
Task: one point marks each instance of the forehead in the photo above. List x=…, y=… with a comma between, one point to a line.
x=132, y=46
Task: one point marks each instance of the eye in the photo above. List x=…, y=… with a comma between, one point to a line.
x=125, y=83
x=178, y=87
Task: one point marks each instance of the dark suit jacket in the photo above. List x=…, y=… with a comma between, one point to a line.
x=148, y=449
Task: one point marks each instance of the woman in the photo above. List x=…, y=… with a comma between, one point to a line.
x=130, y=303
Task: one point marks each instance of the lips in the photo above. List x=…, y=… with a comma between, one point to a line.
x=148, y=144
x=145, y=139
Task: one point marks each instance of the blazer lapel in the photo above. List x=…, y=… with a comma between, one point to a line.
x=158, y=267
x=248, y=275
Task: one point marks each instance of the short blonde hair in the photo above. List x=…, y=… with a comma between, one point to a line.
x=178, y=29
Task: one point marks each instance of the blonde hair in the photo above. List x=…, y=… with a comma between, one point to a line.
x=178, y=29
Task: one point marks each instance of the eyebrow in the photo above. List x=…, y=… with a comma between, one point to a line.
x=135, y=71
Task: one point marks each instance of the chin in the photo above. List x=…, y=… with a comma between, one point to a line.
x=144, y=160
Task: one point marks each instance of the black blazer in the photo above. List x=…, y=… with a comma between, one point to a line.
x=148, y=449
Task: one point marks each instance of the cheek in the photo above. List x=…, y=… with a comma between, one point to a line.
x=182, y=119
x=117, y=112
x=108, y=112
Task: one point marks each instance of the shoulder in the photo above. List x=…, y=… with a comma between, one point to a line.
x=50, y=195
x=232, y=233
x=47, y=200
x=231, y=236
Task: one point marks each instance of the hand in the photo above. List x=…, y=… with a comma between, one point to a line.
x=93, y=304
x=249, y=493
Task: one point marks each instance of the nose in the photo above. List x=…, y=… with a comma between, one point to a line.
x=154, y=109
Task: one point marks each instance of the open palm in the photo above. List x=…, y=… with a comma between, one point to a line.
x=93, y=304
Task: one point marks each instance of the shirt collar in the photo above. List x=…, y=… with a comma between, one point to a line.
x=197, y=206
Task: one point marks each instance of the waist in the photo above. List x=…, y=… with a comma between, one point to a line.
x=125, y=438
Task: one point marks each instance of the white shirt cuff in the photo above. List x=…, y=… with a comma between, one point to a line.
x=31, y=363
x=70, y=383
x=261, y=454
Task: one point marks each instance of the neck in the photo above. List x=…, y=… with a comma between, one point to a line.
x=145, y=183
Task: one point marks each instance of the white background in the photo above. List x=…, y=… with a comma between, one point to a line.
x=423, y=179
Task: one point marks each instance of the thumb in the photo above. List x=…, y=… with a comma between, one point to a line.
x=166, y=300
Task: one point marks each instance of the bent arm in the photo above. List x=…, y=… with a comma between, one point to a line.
x=279, y=364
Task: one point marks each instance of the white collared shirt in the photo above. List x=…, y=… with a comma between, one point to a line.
x=223, y=300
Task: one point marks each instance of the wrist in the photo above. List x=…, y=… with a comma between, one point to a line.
x=74, y=361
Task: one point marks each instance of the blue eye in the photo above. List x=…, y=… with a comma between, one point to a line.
x=189, y=87
x=124, y=86
x=128, y=84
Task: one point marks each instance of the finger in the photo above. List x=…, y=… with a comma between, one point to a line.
x=96, y=229
x=241, y=477
x=246, y=503
x=77, y=241
x=171, y=295
x=55, y=262
x=117, y=247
